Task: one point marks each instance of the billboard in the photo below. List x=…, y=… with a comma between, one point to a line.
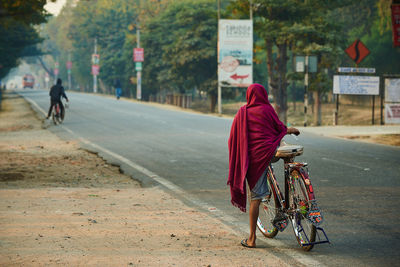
x=392, y=90
x=356, y=85
x=235, y=53
x=396, y=24
x=392, y=113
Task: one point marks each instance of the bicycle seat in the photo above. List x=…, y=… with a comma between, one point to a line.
x=288, y=151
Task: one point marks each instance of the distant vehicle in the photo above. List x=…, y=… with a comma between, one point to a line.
x=28, y=81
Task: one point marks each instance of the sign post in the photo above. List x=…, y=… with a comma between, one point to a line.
x=306, y=64
x=56, y=70
x=392, y=99
x=95, y=66
x=138, y=58
x=235, y=55
x=69, y=67
x=358, y=85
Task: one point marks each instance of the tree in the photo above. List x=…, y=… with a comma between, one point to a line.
x=17, y=32
x=290, y=25
x=180, y=48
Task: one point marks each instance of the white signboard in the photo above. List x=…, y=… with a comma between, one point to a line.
x=392, y=113
x=356, y=70
x=356, y=85
x=235, y=61
x=392, y=90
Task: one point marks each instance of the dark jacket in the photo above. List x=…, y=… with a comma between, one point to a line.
x=57, y=91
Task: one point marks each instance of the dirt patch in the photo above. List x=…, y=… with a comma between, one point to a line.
x=384, y=139
x=63, y=206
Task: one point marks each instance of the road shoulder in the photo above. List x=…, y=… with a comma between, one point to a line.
x=61, y=205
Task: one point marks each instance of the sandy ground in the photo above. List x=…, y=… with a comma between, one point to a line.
x=63, y=206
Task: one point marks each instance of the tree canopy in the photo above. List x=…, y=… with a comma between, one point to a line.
x=18, y=35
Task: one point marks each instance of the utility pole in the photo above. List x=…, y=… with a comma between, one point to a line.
x=139, y=72
x=69, y=70
x=94, y=74
x=251, y=9
x=305, y=91
x=219, y=85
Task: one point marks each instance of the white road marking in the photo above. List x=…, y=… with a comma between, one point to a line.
x=297, y=256
x=345, y=163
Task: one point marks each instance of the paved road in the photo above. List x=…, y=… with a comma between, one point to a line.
x=357, y=184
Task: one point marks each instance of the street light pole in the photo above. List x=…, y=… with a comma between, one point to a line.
x=139, y=72
x=94, y=74
x=219, y=85
x=69, y=71
x=305, y=91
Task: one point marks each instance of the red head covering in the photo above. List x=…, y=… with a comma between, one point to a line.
x=255, y=134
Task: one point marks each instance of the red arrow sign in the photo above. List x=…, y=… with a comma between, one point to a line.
x=236, y=77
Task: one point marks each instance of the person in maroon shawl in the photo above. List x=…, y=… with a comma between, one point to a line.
x=255, y=135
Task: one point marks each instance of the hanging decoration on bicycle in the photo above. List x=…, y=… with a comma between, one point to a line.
x=280, y=221
x=314, y=214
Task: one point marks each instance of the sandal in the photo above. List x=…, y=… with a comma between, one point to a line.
x=244, y=244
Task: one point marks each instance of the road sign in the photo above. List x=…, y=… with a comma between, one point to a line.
x=95, y=70
x=392, y=113
x=357, y=51
x=356, y=85
x=300, y=62
x=138, y=66
x=69, y=65
x=356, y=70
x=138, y=54
x=95, y=59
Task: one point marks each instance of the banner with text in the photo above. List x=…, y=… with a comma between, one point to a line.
x=356, y=85
x=235, y=53
x=396, y=24
x=392, y=90
x=392, y=113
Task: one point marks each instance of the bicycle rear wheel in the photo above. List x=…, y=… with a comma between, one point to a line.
x=300, y=203
x=268, y=210
x=54, y=117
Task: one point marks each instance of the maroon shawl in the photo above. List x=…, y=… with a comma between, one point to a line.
x=255, y=134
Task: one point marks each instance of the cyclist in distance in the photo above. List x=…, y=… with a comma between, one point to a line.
x=255, y=135
x=56, y=92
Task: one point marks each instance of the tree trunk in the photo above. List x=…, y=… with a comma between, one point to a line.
x=294, y=96
x=277, y=78
x=317, y=105
x=213, y=102
x=282, y=82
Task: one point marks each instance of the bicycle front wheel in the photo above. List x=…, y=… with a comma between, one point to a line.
x=300, y=204
x=268, y=210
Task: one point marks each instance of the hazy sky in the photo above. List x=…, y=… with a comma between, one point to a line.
x=54, y=8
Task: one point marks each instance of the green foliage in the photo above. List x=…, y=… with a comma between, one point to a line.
x=17, y=33
x=180, y=48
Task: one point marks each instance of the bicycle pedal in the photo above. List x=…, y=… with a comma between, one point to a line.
x=280, y=221
x=314, y=214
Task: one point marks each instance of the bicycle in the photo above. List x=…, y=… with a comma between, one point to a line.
x=298, y=205
x=58, y=114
